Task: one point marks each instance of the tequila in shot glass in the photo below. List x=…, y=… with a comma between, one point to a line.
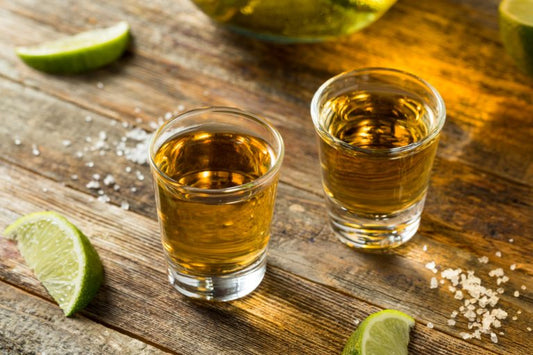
x=215, y=174
x=378, y=133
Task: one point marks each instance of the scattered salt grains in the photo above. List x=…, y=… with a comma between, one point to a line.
x=109, y=180
x=431, y=266
x=139, y=175
x=433, y=283
x=483, y=260
x=93, y=185
x=103, y=198
x=35, y=150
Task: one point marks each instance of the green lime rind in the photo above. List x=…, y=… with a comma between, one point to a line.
x=78, y=53
x=516, y=31
x=382, y=333
x=61, y=256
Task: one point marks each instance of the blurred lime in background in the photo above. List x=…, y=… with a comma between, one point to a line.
x=516, y=29
x=295, y=20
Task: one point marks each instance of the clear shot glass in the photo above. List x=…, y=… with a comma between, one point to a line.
x=215, y=173
x=378, y=133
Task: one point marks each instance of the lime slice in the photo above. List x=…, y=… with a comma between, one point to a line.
x=382, y=333
x=516, y=29
x=61, y=256
x=78, y=53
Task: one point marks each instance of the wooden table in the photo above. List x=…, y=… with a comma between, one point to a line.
x=315, y=289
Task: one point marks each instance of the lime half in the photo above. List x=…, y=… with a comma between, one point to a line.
x=61, y=256
x=516, y=29
x=382, y=333
x=78, y=53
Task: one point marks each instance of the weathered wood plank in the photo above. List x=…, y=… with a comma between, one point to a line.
x=136, y=295
x=184, y=59
x=30, y=325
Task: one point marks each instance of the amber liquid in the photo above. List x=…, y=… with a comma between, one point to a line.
x=364, y=168
x=213, y=235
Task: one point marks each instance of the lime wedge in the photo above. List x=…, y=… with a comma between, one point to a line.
x=61, y=256
x=382, y=333
x=516, y=30
x=78, y=53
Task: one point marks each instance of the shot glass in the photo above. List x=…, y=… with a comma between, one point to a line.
x=215, y=173
x=378, y=133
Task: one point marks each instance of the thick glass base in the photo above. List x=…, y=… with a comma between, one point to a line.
x=374, y=232
x=219, y=288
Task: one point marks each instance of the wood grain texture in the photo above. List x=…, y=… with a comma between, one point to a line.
x=29, y=324
x=287, y=314
x=479, y=203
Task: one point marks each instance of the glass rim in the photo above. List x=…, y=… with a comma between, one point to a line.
x=440, y=111
x=261, y=180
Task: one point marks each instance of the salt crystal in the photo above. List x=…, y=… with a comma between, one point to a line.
x=451, y=322
x=102, y=135
x=483, y=260
x=100, y=85
x=100, y=192
x=133, y=189
x=125, y=205
x=139, y=175
x=514, y=318
x=153, y=125
x=516, y=294
x=17, y=141
x=125, y=124
x=127, y=169
x=137, y=109
x=96, y=176
x=168, y=116
x=88, y=119
x=66, y=142
x=138, y=120
x=498, y=254
x=79, y=155
x=109, y=180
x=452, y=289
x=113, y=122
x=431, y=266
x=512, y=267
x=454, y=314
x=89, y=164
x=74, y=177
x=528, y=329
x=45, y=189
x=458, y=295
x=493, y=337
x=93, y=185
x=181, y=108
x=496, y=272
x=511, y=240
x=104, y=198
x=356, y=321
x=425, y=248
x=88, y=139
x=523, y=287
x=519, y=312
x=430, y=325
x=433, y=283
x=35, y=150
x=116, y=187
